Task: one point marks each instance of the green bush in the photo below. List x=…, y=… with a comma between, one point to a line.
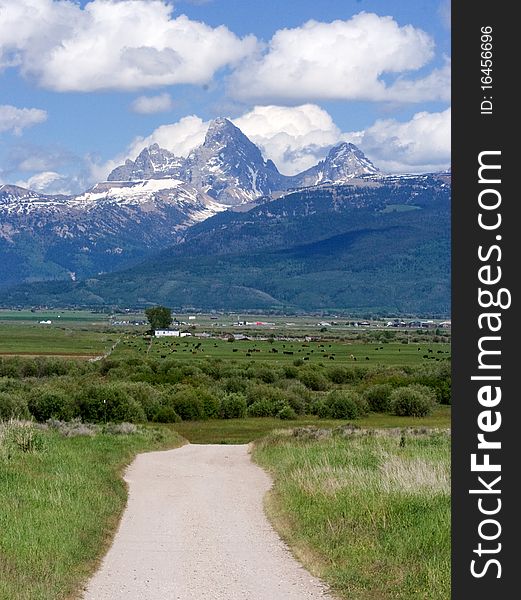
x=322, y=409
x=234, y=384
x=109, y=402
x=107, y=364
x=265, y=408
x=265, y=373
x=261, y=391
x=313, y=379
x=46, y=403
x=165, y=414
x=340, y=404
x=412, y=401
x=290, y=372
x=13, y=406
x=233, y=406
x=188, y=404
x=341, y=375
x=211, y=403
x=378, y=397
x=286, y=413
x=346, y=404
x=148, y=396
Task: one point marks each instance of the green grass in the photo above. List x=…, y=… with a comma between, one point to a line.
x=329, y=353
x=243, y=431
x=61, y=506
x=370, y=517
x=74, y=316
x=53, y=340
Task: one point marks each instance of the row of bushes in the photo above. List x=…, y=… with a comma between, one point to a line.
x=137, y=402
x=235, y=377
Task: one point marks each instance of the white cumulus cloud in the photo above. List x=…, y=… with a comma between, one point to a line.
x=16, y=119
x=419, y=145
x=47, y=182
x=295, y=138
x=147, y=105
x=180, y=138
x=350, y=60
x=113, y=44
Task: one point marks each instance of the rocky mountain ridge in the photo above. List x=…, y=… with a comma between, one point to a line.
x=149, y=203
x=231, y=169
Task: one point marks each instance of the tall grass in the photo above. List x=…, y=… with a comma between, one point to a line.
x=368, y=512
x=61, y=496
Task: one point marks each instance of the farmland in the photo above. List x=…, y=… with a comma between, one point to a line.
x=87, y=334
x=95, y=389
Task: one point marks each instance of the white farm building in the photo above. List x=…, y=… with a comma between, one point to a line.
x=170, y=333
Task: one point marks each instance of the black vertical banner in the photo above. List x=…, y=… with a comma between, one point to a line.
x=486, y=454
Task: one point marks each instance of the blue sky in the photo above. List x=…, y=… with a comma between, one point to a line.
x=84, y=85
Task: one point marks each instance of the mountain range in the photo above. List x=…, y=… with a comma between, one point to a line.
x=224, y=228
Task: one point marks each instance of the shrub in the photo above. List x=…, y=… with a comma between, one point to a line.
x=340, y=404
x=266, y=373
x=213, y=368
x=188, y=404
x=261, y=391
x=290, y=372
x=109, y=402
x=148, y=396
x=234, y=384
x=322, y=409
x=53, y=403
x=286, y=413
x=211, y=403
x=439, y=379
x=377, y=397
x=412, y=401
x=313, y=379
x=73, y=428
x=264, y=408
x=120, y=429
x=346, y=404
x=341, y=375
x=107, y=364
x=233, y=406
x=20, y=436
x=298, y=362
x=165, y=414
x=13, y=406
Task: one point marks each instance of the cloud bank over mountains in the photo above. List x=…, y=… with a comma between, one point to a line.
x=296, y=138
x=146, y=46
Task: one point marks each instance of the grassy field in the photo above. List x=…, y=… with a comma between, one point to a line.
x=368, y=513
x=68, y=316
x=61, y=500
x=85, y=333
x=280, y=351
x=242, y=431
x=44, y=340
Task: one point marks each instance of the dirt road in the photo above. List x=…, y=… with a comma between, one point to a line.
x=194, y=529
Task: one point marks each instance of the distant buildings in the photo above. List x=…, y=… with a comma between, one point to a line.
x=170, y=333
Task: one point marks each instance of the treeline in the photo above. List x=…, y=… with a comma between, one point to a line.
x=139, y=390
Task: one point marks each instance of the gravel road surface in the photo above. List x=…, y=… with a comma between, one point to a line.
x=194, y=529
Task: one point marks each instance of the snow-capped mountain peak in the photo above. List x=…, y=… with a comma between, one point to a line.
x=342, y=163
x=152, y=162
x=231, y=168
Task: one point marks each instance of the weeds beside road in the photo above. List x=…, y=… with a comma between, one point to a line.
x=368, y=512
x=62, y=497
